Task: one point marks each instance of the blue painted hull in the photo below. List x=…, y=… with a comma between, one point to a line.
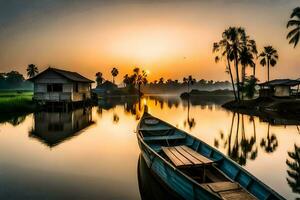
x=188, y=188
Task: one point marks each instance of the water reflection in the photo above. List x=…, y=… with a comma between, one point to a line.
x=190, y=122
x=254, y=142
x=270, y=142
x=293, y=163
x=12, y=119
x=240, y=147
x=150, y=188
x=131, y=105
x=53, y=128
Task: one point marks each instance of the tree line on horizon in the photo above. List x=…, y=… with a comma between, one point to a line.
x=239, y=51
x=14, y=79
x=140, y=77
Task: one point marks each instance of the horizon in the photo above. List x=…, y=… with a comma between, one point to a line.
x=158, y=36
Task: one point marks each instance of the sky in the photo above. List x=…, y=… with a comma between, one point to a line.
x=170, y=38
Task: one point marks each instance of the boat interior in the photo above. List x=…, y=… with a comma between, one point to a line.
x=199, y=161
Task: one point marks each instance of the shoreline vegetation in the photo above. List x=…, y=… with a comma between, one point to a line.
x=15, y=105
x=12, y=101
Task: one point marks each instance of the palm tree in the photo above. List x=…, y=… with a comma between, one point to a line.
x=246, y=58
x=222, y=48
x=294, y=169
x=140, y=77
x=294, y=22
x=231, y=45
x=269, y=56
x=32, y=70
x=114, y=73
x=99, y=78
x=126, y=80
x=189, y=81
x=161, y=80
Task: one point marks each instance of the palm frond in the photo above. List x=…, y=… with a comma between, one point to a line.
x=295, y=39
x=296, y=12
x=263, y=62
x=293, y=22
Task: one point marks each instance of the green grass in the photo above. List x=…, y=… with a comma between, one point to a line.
x=16, y=101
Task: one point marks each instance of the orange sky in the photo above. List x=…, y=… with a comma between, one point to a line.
x=169, y=38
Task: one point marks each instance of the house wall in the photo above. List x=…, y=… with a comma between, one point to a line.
x=282, y=91
x=68, y=94
x=83, y=93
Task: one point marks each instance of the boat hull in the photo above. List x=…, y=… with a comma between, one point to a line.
x=181, y=183
x=172, y=178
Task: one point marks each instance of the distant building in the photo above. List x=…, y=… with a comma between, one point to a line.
x=278, y=88
x=56, y=85
x=105, y=88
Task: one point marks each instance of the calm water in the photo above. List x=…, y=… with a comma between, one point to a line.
x=93, y=153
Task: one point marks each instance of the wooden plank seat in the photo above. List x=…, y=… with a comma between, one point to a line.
x=236, y=195
x=228, y=190
x=183, y=156
x=223, y=186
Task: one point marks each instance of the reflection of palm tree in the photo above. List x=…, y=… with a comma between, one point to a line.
x=269, y=144
x=189, y=121
x=294, y=169
x=247, y=145
x=116, y=118
x=242, y=148
x=100, y=111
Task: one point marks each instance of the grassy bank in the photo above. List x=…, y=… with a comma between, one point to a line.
x=16, y=102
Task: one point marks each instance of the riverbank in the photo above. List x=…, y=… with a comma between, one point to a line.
x=16, y=102
x=197, y=93
x=276, y=110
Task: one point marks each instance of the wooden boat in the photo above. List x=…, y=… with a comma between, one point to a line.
x=193, y=169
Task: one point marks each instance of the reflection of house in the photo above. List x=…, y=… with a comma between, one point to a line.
x=278, y=88
x=105, y=88
x=53, y=128
x=55, y=85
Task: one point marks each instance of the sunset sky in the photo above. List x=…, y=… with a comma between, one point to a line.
x=170, y=38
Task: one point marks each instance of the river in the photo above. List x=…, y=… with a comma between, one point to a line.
x=92, y=153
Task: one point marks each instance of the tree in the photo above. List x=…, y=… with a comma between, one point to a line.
x=249, y=86
x=99, y=78
x=294, y=22
x=236, y=38
x=229, y=47
x=32, y=70
x=294, y=169
x=189, y=81
x=114, y=73
x=247, y=54
x=126, y=80
x=269, y=56
x=161, y=80
x=139, y=77
x=14, y=78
